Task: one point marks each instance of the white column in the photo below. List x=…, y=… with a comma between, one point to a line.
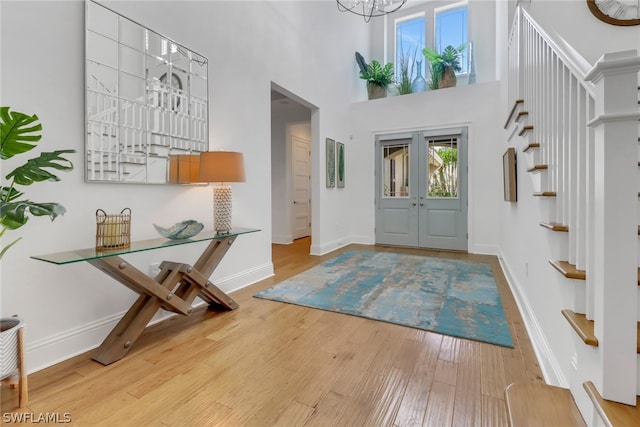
x=615, y=239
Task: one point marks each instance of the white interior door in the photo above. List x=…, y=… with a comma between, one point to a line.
x=301, y=172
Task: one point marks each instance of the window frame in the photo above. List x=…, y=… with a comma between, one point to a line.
x=429, y=10
x=448, y=8
x=410, y=17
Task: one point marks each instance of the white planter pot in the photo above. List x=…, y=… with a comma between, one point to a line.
x=9, y=327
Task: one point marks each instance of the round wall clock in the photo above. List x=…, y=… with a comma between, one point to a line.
x=175, y=83
x=616, y=12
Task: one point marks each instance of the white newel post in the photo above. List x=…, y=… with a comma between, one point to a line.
x=614, y=235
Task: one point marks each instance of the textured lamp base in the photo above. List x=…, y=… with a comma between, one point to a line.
x=222, y=208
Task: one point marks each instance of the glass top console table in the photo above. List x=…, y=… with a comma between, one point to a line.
x=174, y=288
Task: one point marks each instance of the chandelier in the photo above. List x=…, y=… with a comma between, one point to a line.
x=370, y=8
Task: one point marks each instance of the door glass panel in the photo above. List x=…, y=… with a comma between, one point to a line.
x=395, y=164
x=442, y=173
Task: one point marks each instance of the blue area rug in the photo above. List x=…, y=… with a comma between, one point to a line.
x=451, y=297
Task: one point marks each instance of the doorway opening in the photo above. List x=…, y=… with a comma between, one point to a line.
x=421, y=189
x=293, y=132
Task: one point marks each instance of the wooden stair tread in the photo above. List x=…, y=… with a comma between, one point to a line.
x=538, y=404
x=516, y=104
x=568, y=270
x=545, y=194
x=582, y=326
x=556, y=226
x=613, y=413
x=536, y=168
x=521, y=114
x=525, y=129
x=531, y=146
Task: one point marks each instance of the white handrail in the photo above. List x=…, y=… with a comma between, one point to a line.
x=578, y=65
x=559, y=101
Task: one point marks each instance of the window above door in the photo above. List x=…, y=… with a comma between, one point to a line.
x=433, y=25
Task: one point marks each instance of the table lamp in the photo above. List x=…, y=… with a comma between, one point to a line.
x=221, y=167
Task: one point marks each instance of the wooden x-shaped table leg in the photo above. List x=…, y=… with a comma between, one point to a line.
x=174, y=288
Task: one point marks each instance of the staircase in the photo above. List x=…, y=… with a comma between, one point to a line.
x=577, y=127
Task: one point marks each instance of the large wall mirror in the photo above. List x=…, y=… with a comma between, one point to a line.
x=146, y=100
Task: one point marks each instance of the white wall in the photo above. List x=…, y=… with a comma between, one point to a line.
x=572, y=20
x=306, y=47
x=475, y=106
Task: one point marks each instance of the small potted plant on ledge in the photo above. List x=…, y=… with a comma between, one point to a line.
x=378, y=77
x=20, y=133
x=444, y=65
x=405, y=85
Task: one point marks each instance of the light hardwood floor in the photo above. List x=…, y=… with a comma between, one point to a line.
x=269, y=363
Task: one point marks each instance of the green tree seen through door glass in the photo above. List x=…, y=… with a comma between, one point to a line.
x=444, y=180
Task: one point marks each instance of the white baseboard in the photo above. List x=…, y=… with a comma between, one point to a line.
x=282, y=239
x=484, y=250
x=548, y=363
x=65, y=345
x=245, y=278
x=330, y=246
x=363, y=240
x=370, y=240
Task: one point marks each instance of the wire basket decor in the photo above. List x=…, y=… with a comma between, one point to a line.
x=113, y=230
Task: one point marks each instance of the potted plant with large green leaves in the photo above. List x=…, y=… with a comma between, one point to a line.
x=20, y=133
x=378, y=77
x=445, y=64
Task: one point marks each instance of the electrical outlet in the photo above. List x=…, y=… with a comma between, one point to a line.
x=154, y=269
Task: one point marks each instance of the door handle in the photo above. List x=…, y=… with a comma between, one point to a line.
x=414, y=204
x=421, y=204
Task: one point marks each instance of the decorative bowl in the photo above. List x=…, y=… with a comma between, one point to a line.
x=180, y=230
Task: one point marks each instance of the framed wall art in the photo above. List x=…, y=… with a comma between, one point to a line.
x=509, y=175
x=331, y=162
x=340, y=164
